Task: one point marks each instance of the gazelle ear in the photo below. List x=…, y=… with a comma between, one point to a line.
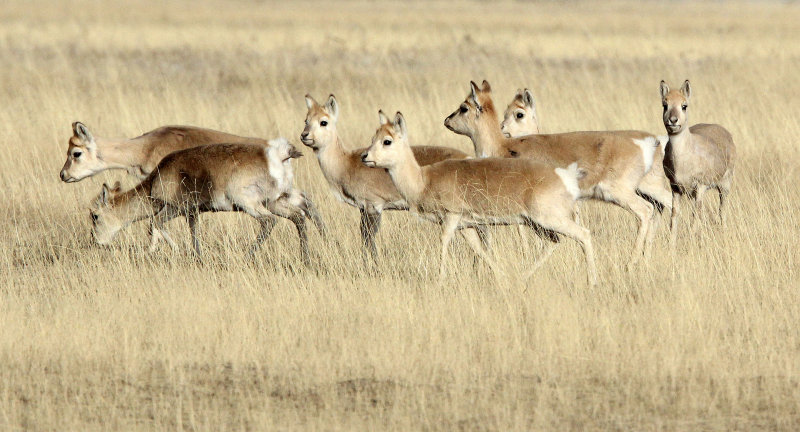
x=332, y=107
x=664, y=89
x=81, y=131
x=474, y=95
x=382, y=117
x=400, y=124
x=486, y=87
x=310, y=102
x=527, y=99
x=104, y=195
x=686, y=90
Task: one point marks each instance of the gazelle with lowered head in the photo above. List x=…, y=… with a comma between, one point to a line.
x=218, y=177
x=88, y=155
x=614, y=164
x=521, y=119
x=462, y=195
x=699, y=157
x=368, y=189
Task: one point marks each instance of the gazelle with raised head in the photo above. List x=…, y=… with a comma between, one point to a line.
x=699, y=157
x=368, y=189
x=88, y=155
x=521, y=119
x=219, y=177
x=615, y=165
x=462, y=195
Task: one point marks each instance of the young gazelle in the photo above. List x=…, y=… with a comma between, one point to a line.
x=370, y=190
x=88, y=155
x=520, y=119
x=464, y=194
x=699, y=157
x=216, y=177
x=614, y=164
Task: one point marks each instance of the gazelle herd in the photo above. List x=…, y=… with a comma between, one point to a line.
x=517, y=176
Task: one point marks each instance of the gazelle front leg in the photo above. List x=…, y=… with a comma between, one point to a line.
x=472, y=236
x=370, y=224
x=449, y=226
x=157, y=231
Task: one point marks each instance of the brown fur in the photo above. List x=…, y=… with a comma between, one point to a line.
x=470, y=193
x=368, y=189
x=218, y=177
x=615, y=164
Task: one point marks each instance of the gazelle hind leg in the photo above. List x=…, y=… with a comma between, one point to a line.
x=673, y=221
x=449, y=227
x=569, y=228
x=267, y=224
x=642, y=209
x=260, y=210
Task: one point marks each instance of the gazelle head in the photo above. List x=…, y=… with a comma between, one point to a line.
x=388, y=143
x=676, y=104
x=106, y=223
x=476, y=108
x=520, y=118
x=82, y=158
x=320, y=122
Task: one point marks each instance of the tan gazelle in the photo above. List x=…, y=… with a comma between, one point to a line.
x=615, y=165
x=88, y=155
x=464, y=194
x=217, y=177
x=368, y=189
x=699, y=157
x=521, y=119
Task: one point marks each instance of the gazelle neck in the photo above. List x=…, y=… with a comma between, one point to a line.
x=118, y=154
x=488, y=138
x=134, y=204
x=408, y=177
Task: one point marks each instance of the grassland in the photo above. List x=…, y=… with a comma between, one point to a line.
x=114, y=338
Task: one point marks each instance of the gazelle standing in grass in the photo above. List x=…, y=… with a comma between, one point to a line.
x=615, y=164
x=368, y=189
x=699, y=157
x=217, y=177
x=462, y=195
x=88, y=155
x=521, y=119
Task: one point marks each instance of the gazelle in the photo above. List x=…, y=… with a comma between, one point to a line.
x=88, y=155
x=615, y=164
x=368, y=189
x=699, y=157
x=464, y=194
x=520, y=119
x=218, y=177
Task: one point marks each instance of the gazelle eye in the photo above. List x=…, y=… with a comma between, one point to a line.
x=463, y=109
x=520, y=115
x=323, y=123
x=76, y=154
x=387, y=142
x=684, y=107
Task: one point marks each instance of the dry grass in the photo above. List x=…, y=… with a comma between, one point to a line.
x=103, y=339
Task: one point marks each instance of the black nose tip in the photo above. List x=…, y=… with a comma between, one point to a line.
x=304, y=135
x=62, y=175
x=363, y=157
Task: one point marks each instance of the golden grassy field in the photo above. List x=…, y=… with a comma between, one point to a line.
x=115, y=338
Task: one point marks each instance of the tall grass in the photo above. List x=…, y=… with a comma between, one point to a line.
x=114, y=338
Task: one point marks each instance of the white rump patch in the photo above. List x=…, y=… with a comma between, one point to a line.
x=279, y=170
x=570, y=176
x=648, y=146
x=663, y=140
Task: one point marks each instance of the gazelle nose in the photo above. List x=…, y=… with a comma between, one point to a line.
x=304, y=135
x=63, y=175
x=673, y=120
x=364, y=157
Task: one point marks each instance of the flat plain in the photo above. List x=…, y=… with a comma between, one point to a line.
x=703, y=337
